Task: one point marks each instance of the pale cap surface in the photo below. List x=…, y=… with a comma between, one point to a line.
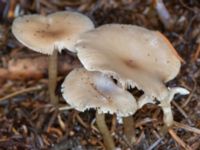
x=84, y=90
x=133, y=55
x=55, y=31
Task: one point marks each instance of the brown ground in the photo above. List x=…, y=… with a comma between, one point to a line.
x=28, y=121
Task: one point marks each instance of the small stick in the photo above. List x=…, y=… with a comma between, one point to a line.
x=145, y=121
x=23, y=91
x=155, y=144
x=67, y=107
x=163, y=14
x=156, y=134
x=93, y=126
x=61, y=123
x=186, y=6
x=190, y=96
x=51, y=120
x=178, y=140
x=85, y=125
x=107, y=138
x=182, y=112
x=139, y=139
x=186, y=127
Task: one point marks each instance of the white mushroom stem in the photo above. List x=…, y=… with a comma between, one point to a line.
x=129, y=130
x=166, y=104
x=107, y=138
x=52, y=71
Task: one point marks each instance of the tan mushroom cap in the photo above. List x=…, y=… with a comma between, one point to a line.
x=84, y=90
x=133, y=55
x=45, y=33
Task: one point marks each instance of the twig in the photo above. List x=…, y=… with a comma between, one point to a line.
x=11, y=9
x=81, y=121
x=186, y=127
x=186, y=6
x=51, y=120
x=57, y=131
x=190, y=96
x=178, y=140
x=61, y=123
x=48, y=5
x=195, y=145
x=67, y=107
x=155, y=144
x=163, y=14
x=188, y=28
x=182, y=112
x=155, y=133
x=139, y=139
x=145, y=121
x=23, y=91
x=94, y=129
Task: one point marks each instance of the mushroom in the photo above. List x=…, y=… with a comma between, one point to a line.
x=84, y=90
x=49, y=34
x=135, y=56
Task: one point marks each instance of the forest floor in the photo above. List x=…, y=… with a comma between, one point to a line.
x=29, y=121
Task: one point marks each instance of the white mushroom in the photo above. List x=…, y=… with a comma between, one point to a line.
x=84, y=90
x=49, y=34
x=133, y=55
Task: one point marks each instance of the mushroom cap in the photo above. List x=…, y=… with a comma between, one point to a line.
x=83, y=90
x=55, y=31
x=133, y=55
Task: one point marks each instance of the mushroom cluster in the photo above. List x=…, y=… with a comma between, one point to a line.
x=115, y=57
x=134, y=57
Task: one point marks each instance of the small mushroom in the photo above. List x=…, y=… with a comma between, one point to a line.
x=84, y=90
x=49, y=34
